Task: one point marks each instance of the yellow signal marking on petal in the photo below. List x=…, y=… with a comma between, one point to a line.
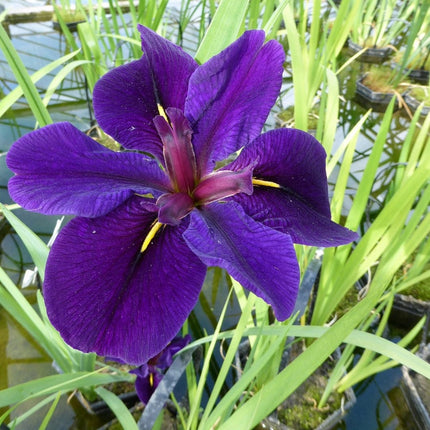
x=162, y=112
x=151, y=379
x=157, y=225
x=265, y=183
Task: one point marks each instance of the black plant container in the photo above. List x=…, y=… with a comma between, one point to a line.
x=371, y=55
x=419, y=75
x=376, y=100
x=72, y=26
x=414, y=103
x=101, y=408
x=407, y=311
x=416, y=389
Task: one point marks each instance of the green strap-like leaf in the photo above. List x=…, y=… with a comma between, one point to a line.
x=118, y=408
x=224, y=28
x=54, y=383
x=23, y=78
x=35, y=246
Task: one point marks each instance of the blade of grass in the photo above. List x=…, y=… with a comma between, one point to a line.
x=223, y=30
x=117, y=406
x=54, y=383
x=7, y=101
x=228, y=359
x=35, y=246
x=192, y=419
x=21, y=74
x=51, y=410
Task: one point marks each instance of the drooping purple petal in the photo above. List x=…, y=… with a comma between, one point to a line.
x=296, y=161
x=60, y=170
x=104, y=295
x=230, y=96
x=125, y=99
x=286, y=212
x=293, y=159
x=260, y=258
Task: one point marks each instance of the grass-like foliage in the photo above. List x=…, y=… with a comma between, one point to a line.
x=397, y=235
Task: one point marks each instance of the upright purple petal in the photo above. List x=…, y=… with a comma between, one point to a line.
x=230, y=96
x=260, y=258
x=104, y=295
x=125, y=104
x=125, y=99
x=171, y=68
x=60, y=170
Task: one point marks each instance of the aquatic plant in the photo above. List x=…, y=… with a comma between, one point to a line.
x=124, y=274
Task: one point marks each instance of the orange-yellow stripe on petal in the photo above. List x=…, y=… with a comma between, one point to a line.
x=162, y=112
x=151, y=379
x=154, y=229
x=265, y=183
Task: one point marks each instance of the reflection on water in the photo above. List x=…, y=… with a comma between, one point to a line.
x=380, y=405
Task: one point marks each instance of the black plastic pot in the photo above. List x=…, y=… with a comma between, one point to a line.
x=419, y=75
x=414, y=103
x=371, y=55
x=407, y=311
x=100, y=407
x=368, y=98
x=416, y=389
x=72, y=26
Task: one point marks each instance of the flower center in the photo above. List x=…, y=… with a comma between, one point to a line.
x=178, y=150
x=188, y=189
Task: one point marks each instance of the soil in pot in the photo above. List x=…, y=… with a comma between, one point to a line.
x=300, y=410
x=375, y=89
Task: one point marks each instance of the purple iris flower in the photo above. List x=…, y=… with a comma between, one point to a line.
x=151, y=373
x=124, y=274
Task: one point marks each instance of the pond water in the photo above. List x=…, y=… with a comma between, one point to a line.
x=380, y=404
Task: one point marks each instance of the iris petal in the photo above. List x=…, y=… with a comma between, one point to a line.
x=60, y=170
x=230, y=96
x=296, y=161
x=171, y=68
x=104, y=295
x=293, y=159
x=260, y=258
x=289, y=214
x=125, y=99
